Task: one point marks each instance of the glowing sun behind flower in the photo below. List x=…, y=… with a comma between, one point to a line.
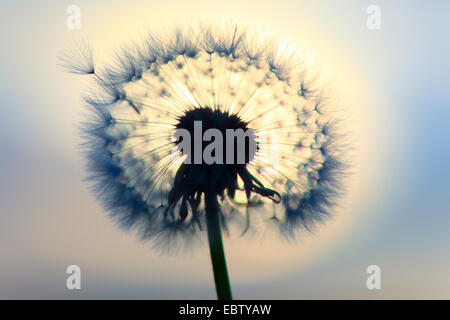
x=228, y=79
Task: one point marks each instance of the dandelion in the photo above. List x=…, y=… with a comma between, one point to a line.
x=222, y=78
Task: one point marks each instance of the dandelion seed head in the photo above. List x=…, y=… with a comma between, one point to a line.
x=229, y=78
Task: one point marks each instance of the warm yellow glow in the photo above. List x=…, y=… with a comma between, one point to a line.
x=253, y=258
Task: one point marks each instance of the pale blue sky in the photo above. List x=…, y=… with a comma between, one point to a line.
x=400, y=221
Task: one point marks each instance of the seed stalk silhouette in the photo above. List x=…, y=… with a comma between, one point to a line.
x=219, y=263
x=285, y=174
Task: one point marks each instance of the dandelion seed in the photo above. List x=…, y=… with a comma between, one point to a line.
x=225, y=78
x=79, y=59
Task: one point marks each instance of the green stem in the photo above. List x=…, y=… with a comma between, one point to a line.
x=219, y=263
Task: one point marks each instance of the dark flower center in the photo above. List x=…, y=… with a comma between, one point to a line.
x=232, y=138
x=218, y=146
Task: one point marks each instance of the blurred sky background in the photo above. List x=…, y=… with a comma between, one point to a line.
x=394, y=81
